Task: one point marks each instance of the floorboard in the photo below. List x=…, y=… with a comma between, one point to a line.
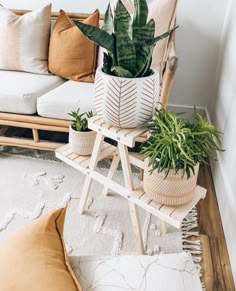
x=216, y=262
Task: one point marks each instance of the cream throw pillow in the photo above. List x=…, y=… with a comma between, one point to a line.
x=24, y=40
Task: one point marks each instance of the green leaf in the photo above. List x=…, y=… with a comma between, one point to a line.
x=121, y=72
x=107, y=63
x=108, y=21
x=125, y=48
x=160, y=37
x=140, y=13
x=97, y=35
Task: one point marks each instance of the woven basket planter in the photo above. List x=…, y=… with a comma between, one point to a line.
x=126, y=102
x=81, y=142
x=174, y=190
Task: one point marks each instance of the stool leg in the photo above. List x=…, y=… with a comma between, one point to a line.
x=163, y=227
x=112, y=170
x=124, y=156
x=137, y=227
x=92, y=165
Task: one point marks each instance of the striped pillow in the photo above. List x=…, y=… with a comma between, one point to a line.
x=24, y=40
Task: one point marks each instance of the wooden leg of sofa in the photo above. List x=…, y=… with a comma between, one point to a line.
x=35, y=134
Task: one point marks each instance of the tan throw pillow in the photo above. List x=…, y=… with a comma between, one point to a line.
x=24, y=40
x=35, y=258
x=71, y=54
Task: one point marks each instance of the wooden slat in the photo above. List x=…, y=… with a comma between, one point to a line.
x=29, y=143
x=136, y=132
x=72, y=156
x=137, y=160
x=72, y=15
x=34, y=125
x=34, y=119
x=62, y=148
x=167, y=210
x=181, y=211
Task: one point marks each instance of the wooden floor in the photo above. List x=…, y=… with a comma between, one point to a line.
x=217, y=275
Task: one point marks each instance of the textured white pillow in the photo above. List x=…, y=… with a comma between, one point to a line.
x=24, y=40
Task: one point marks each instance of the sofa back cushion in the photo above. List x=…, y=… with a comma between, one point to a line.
x=71, y=54
x=24, y=40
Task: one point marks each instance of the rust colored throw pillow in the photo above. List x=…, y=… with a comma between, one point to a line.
x=35, y=258
x=71, y=55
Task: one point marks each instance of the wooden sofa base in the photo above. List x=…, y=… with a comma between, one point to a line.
x=35, y=123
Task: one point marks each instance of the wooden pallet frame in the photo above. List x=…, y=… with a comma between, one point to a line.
x=37, y=123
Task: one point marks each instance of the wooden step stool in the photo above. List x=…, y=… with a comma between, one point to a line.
x=125, y=138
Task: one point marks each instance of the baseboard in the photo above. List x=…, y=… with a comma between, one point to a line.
x=225, y=196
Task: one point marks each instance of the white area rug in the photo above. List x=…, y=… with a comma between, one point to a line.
x=30, y=187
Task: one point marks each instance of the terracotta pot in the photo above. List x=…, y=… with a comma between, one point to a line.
x=126, y=102
x=81, y=142
x=174, y=190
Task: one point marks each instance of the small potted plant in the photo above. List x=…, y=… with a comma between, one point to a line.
x=126, y=87
x=81, y=138
x=173, y=152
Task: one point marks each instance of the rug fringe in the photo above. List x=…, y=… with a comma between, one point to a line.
x=192, y=246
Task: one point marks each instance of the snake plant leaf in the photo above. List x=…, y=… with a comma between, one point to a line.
x=97, y=35
x=143, y=51
x=108, y=21
x=160, y=37
x=121, y=72
x=140, y=13
x=125, y=49
x=107, y=63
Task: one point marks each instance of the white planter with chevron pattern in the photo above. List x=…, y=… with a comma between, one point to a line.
x=126, y=102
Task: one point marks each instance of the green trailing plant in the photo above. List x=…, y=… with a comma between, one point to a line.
x=80, y=121
x=176, y=144
x=128, y=41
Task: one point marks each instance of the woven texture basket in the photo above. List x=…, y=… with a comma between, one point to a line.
x=81, y=143
x=174, y=190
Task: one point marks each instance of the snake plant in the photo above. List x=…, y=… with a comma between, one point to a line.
x=176, y=144
x=128, y=41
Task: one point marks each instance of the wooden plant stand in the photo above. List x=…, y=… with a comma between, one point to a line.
x=125, y=138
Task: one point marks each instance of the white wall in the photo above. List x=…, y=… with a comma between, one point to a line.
x=223, y=113
x=67, y=5
x=197, y=44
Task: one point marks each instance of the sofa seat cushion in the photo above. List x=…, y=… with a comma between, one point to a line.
x=19, y=90
x=65, y=98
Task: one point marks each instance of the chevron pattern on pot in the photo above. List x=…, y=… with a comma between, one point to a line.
x=125, y=102
x=149, y=99
x=99, y=92
x=120, y=106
